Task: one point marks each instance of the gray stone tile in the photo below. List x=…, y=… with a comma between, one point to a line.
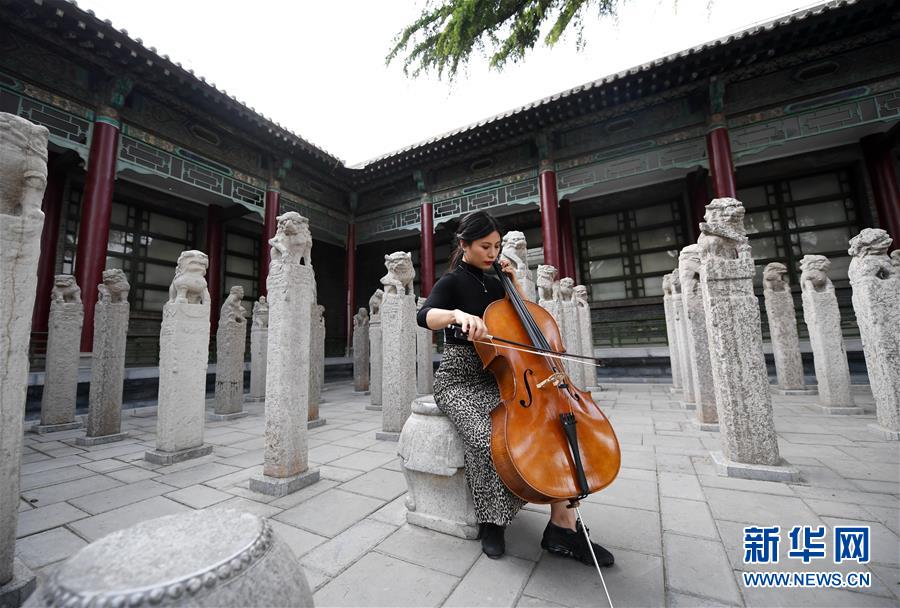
x=64, y=491
x=635, y=580
x=53, y=476
x=198, y=474
x=633, y=529
x=198, y=496
x=295, y=498
x=248, y=506
x=131, y=474
x=523, y=535
x=120, y=496
x=890, y=517
x=47, y=547
x=746, y=485
x=300, y=541
x=706, y=572
x=242, y=459
x=759, y=509
x=234, y=478
x=50, y=464
x=853, y=497
x=680, y=485
x=527, y=601
x=365, y=460
x=379, y=483
x=626, y=492
x=105, y=465
x=688, y=517
x=837, y=509
x=333, y=556
x=393, y=513
x=97, y=526
x=45, y=518
x=328, y=452
x=330, y=512
x=889, y=576
x=338, y=474
x=682, y=600
x=380, y=580
x=491, y=582
x=431, y=549
x=114, y=450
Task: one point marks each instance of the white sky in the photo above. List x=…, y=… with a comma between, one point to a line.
x=317, y=66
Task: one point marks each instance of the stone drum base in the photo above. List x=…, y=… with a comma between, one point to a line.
x=311, y=424
x=221, y=417
x=373, y=408
x=763, y=472
x=166, y=458
x=282, y=486
x=43, y=429
x=100, y=439
x=850, y=410
x=23, y=583
x=387, y=436
x=712, y=427
x=796, y=392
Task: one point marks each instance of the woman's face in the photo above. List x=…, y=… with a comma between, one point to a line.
x=483, y=252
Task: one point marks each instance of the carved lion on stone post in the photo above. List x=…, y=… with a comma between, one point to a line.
x=65, y=290
x=292, y=239
x=189, y=284
x=775, y=277
x=400, y=273
x=114, y=288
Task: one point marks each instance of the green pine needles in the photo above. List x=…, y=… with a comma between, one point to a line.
x=445, y=34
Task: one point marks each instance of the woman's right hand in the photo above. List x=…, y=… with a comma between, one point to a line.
x=471, y=325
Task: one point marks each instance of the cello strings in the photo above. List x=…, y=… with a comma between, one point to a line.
x=537, y=352
x=593, y=555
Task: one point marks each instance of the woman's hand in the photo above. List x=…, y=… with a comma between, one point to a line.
x=471, y=325
x=508, y=270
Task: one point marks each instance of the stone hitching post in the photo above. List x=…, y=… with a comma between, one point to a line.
x=515, y=250
x=361, y=351
x=398, y=350
x=823, y=323
x=749, y=443
x=583, y=308
x=671, y=336
x=104, y=420
x=688, y=390
x=568, y=312
x=23, y=177
x=707, y=418
x=259, y=340
x=183, y=360
x=231, y=341
x=424, y=357
x=290, y=291
x=783, y=330
x=316, y=363
x=876, y=301
x=375, y=354
x=64, y=337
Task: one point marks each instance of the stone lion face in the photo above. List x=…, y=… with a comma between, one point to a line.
x=64, y=280
x=113, y=276
x=812, y=263
x=398, y=259
x=774, y=271
x=581, y=292
x=546, y=272
x=193, y=261
x=567, y=283
x=871, y=241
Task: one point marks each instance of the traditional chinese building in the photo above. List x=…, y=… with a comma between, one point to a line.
x=798, y=118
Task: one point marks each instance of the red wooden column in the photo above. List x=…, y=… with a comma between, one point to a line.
x=549, y=214
x=96, y=211
x=880, y=165
x=273, y=204
x=566, y=242
x=350, y=282
x=698, y=199
x=214, y=233
x=718, y=149
x=426, y=259
x=52, y=208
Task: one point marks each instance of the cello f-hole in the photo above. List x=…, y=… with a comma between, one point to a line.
x=527, y=388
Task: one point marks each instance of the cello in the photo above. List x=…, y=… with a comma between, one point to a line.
x=549, y=441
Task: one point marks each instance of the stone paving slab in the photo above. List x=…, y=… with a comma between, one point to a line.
x=674, y=525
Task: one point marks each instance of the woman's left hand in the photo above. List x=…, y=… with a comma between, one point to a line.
x=508, y=270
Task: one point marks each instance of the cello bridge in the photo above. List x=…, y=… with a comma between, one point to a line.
x=554, y=378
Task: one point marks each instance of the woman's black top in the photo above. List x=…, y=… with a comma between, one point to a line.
x=467, y=288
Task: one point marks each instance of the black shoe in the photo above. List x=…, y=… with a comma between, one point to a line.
x=492, y=542
x=569, y=543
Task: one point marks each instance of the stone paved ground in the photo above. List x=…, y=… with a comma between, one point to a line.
x=673, y=524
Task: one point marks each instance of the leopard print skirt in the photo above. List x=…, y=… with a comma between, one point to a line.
x=466, y=393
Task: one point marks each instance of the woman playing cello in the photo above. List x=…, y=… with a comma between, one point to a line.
x=467, y=393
